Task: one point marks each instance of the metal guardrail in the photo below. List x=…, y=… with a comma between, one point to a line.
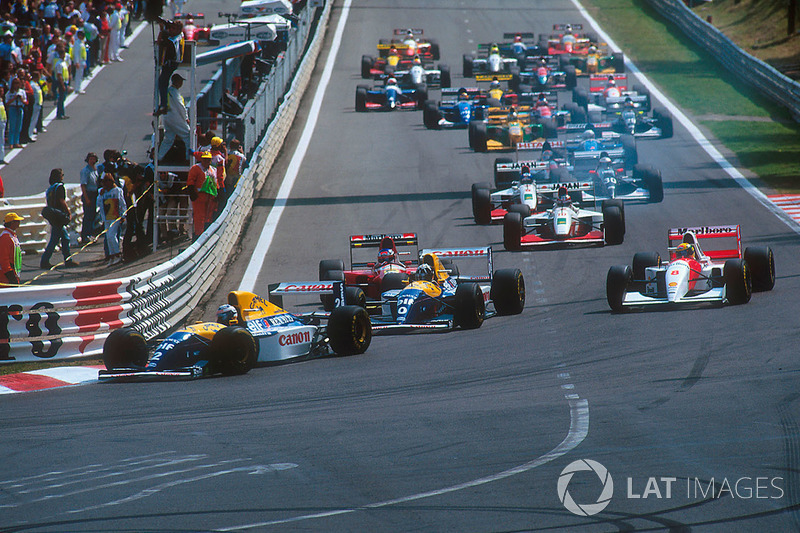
x=34, y=229
x=775, y=85
x=68, y=321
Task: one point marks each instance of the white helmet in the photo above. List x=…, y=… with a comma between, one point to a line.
x=588, y=134
x=424, y=272
x=226, y=314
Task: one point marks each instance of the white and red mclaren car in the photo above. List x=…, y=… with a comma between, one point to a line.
x=693, y=275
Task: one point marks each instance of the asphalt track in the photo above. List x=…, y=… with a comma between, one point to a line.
x=465, y=431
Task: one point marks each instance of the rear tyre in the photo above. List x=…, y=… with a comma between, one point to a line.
x=481, y=205
x=393, y=281
x=571, y=79
x=738, y=283
x=355, y=296
x=617, y=282
x=654, y=184
x=508, y=291
x=762, y=267
x=524, y=210
x=469, y=306
x=366, y=66
x=618, y=60
x=329, y=264
x=502, y=180
x=124, y=348
x=613, y=225
x=580, y=97
x=577, y=114
x=444, y=77
x=431, y=115
x=631, y=156
x=329, y=300
x=233, y=351
x=512, y=231
x=549, y=129
x=467, y=66
x=642, y=260
x=435, y=49
x=477, y=136
x=349, y=330
x=361, y=99
x=663, y=121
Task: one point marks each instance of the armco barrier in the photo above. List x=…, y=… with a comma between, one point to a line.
x=757, y=73
x=60, y=322
x=34, y=230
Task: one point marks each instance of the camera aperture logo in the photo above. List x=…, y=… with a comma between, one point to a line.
x=585, y=509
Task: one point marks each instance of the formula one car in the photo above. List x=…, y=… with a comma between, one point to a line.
x=505, y=128
x=584, y=150
x=567, y=40
x=489, y=61
x=609, y=94
x=637, y=123
x=457, y=109
x=382, y=271
x=566, y=223
x=416, y=75
x=613, y=181
x=407, y=41
x=389, y=97
x=597, y=60
x=440, y=300
x=550, y=168
x=544, y=74
x=692, y=275
x=255, y=331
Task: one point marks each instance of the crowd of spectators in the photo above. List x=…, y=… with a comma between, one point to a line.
x=47, y=47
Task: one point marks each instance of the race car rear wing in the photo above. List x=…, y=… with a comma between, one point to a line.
x=403, y=31
x=562, y=27
x=521, y=34
x=358, y=242
x=537, y=145
x=298, y=288
x=465, y=253
x=597, y=83
x=552, y=188
x=491, y=77
x=675, y=236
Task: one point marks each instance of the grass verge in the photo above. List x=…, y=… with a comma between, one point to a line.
x=703, y=88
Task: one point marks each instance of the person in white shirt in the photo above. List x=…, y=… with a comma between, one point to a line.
x=176, y=120
x=78, y=56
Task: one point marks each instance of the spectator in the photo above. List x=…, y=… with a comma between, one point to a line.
x=202, y=186
x=176, y=121
x=3, y=120
x=2, y=188
x=27, y=111
x=56, y=198
x=61, y=77
x=111, y=205
x=234, y=164
x=89, y=180
x=170, y=52
x=104, y=28
x=38, y=99
x=78, y=56
x=115, y=23
x=92, y=33
x=109, y=165
x=15, y=103
x=10, y=252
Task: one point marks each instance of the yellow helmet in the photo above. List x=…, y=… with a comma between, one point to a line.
x=684, y=251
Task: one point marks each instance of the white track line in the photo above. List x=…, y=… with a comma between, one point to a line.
x=268, y=232
x=694, y=131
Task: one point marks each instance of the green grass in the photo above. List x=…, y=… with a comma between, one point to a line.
x=691, y=77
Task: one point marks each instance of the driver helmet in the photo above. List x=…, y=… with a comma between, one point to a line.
x=542, y=99
x=417, y=60
x=391, y=81
x=518, y=38
x=425, y=272
x=588, y=135
x=495, y=84
x=393, y=49
x=563, y=195
x=226, y=314
x=611, y=81
x=525, y=174
x=628, y=101
x=684, y=251
x=605, y=161
x=463, y=94
x=568, y=28
x=386, y=255
x=512, y=115
x=547, y=154
x=494, y=49
x=592, y=49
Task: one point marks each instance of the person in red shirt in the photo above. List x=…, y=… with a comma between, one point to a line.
x=203, y=188
x=10, y=251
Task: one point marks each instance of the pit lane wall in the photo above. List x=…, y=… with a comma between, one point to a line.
x=776, y=86
x=60, y=322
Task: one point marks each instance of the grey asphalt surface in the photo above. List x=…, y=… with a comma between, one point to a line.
x=464, y=431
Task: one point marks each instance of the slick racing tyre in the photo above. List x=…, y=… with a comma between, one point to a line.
x=738, y=283
x=393, y=281
x=124, y=348
x=618, y=60
x=571, y=79
x=523, y=209
x=468, y=66
x=508, y=291
x=512, y=231
x=366, y=66
x=361, y=99
x=349, y=330
x=329, y=264
x=451, y=267
x=642, y=260
x=469, y=306
x=444, y=77
x=613, y=225
x=355, y=296
x=617, y=282
x=629, y=150
x=762, y=267
x=477, y=136
x=431, y=115
x=481, y=204
x=663, y=121
x=233, y=351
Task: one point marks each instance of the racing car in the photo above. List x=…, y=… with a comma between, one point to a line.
x=551, y=168
x=566, y=223
x=407, y=41
x=506, y=128
x=584, y=150
x=609, y=94
x=389, y=97
x=567, y=40
x=614, y=181
x=597, y=60
x=693, y=275
x=544, y=74
x=438, y=299
x=637, y=123
x=253, y=331
x=416, y=75
x=388, y=269
x=489, y=61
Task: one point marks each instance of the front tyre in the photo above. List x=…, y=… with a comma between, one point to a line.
x=470, y=308
x=349, y=330
x=762, y=267
x=512, y=231
x=124, y=348
x=508, y=291
x=233, y=351
x=617, y=282
x=738, y=283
